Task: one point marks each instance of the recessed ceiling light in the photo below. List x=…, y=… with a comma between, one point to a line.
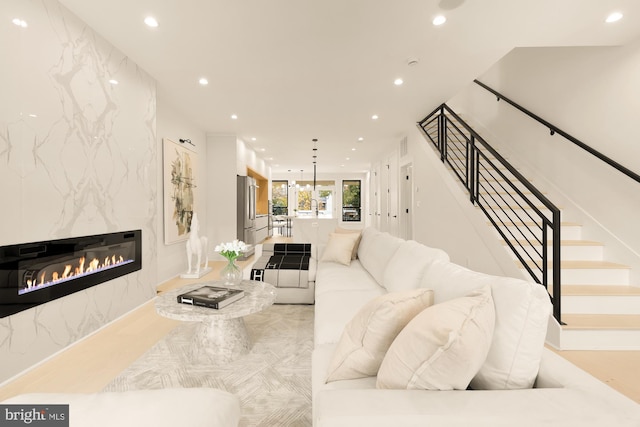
x=439, y=20
x=253, y=139
x=203, y=81
x=113, y=81
x=33, y=116
x=353, y=149
x=234, y=117
x=20, y=22
x=374, y=117
x=262, y=149
x=398, y=82
x=615, y=16
x=151, y=21
x=347, y=158
x=361, y=139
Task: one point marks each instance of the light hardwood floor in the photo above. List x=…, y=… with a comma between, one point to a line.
x=92, y=363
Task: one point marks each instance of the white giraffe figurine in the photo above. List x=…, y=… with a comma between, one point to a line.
x=196, y=245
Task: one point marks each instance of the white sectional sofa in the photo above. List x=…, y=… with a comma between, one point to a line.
x=471, y=328
x=193, y=407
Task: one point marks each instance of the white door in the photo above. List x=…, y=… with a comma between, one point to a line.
x=393, y=221
x=406, y=202
x=374, y=197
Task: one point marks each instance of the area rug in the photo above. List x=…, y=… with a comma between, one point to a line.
x=273, y=381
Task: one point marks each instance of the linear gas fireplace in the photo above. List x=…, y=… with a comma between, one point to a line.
x=39, y=272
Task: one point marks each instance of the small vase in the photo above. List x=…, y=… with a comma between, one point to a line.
x=231, y=274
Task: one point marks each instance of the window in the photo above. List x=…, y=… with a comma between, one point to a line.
x=280, y=197
x=304, y=199
x=351, y=200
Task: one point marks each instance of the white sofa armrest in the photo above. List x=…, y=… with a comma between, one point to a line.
x=490, y=408
x=193, y=407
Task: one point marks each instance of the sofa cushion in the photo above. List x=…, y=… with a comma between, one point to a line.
x=408, y=264
x=194, y=407
x=375, y=251
x=443, y=347
x=333, y=310
x=332, y=277
x=522, y=313
x=340, y=248
x=367, y=337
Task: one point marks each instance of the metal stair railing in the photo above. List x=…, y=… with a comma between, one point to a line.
x=526, y=220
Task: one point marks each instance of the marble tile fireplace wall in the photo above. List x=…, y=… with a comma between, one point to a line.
x=78, y=156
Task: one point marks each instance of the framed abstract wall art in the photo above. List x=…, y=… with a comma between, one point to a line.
x=180, y=172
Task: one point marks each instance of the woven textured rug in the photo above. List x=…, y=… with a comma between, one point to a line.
x=273, y=381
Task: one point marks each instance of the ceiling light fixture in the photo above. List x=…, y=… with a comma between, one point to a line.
x=315, y=157
x=360, y=139
x=398, y=82
x=374, y=117
x=151, y=21
x=113, y=81
x=20, y=22
x=203, y=81
x=439, y=20
x=614, y=17
x=234, y=117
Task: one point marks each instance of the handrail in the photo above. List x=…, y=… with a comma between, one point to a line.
x=554, y=129
x=504, y=195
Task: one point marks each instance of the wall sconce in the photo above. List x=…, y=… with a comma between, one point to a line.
x=188, y=141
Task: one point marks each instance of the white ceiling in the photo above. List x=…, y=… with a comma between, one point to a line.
x=294, y=70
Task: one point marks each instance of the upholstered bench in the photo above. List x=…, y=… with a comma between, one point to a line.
x=193, y=407
x=290, y=268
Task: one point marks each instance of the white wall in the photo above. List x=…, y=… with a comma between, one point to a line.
x=221, y=190
x=173, y=125
x=444, y=218
x=590, y=93
x=248, y=158
x=78, y=156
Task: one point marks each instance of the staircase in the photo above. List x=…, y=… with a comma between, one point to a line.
x=600, y=309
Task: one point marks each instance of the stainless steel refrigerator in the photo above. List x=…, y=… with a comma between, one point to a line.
x=247, y=209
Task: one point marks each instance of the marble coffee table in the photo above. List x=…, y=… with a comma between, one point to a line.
x=221, y=334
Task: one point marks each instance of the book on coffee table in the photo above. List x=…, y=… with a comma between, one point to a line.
x=211, y=296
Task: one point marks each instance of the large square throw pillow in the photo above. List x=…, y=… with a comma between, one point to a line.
x=443, y=347
x=367, y=337
x=354, y=252
x=522, y=313
x=340, y=247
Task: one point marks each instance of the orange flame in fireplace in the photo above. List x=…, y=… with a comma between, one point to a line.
x=70, y=271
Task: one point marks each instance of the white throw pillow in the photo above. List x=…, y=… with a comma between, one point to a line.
x=522, y=313
x=443, y=347
x=340, y=247
x=367, y=337
x=354, y=252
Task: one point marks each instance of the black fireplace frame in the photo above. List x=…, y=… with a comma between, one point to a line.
x=13, y=257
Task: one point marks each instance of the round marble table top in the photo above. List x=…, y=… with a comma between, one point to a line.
x=257, y=297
